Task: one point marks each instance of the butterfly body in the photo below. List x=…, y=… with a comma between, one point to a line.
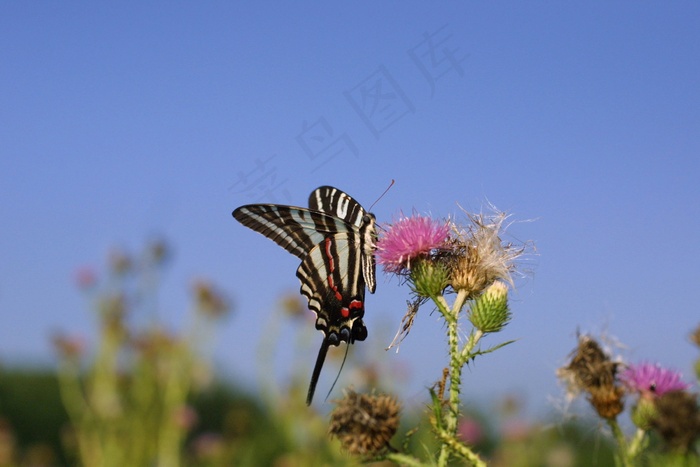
x=335, y=239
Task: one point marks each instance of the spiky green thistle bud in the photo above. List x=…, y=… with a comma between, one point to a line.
x=644, y=413
x=429, y=278
x=489, y=312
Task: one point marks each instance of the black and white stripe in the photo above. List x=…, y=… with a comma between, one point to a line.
x=335, y=239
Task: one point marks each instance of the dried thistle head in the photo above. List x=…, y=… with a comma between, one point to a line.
x=677, y=420
x=293, y=306
x=209, y=301
x=158, y=251
x=591, y=370
x=364, y=423
x=607, y=400
x=589, y=367
x=479, y=257
x=695, y=336
x=120, y=263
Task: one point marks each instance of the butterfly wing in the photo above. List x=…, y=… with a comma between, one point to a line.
x=332, y=281
x=337, y=203
x=297, y=230
x=340, y=204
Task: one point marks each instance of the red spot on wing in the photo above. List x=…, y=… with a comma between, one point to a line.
x=344, y=312
x=331, y=263
x=331, y=269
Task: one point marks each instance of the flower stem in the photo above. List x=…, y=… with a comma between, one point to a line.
x=403, y=459
x=637, y=443
x=623, y=457
x=460, y=449
x=448, y=434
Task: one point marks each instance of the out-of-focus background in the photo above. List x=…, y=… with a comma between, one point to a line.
x=120, y=124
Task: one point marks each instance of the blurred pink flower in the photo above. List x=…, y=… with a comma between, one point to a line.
x=208, y=446
x=185, y=417
x=408, y=239
x=85, y=277
x=516, y=430
x=470, y=431
x=649, y=379
x=68, y=346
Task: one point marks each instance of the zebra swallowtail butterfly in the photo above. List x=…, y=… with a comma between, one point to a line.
x=335, y=240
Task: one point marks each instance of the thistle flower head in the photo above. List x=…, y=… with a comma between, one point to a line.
x=408, y=239
x=591, y=370
x=365, y=424
x=489, y=312
x=429, y=278
x=677, y=420
x=651, y=380
x=695, y=336
x=209, y=301
x=120, y=263
x=86, y=278
x=71, y=348
x=479, y=257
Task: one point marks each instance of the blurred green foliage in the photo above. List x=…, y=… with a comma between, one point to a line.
x=233, y=428
x=31, y=414
x=159, y=382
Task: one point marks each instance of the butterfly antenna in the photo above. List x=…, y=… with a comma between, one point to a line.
x=317, y=371
x=347, y=347
x=382, y=195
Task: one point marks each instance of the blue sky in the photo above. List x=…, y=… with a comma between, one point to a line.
x=120, y=122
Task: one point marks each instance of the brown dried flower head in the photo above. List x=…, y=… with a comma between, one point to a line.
x=158, y=251
x=677, y=420
x=479, y=257
x=695, y=336
x=120, y=263
x=364, y=424
x=591, y=370
x=292, y=305
x=210, y=302
x=607, y=400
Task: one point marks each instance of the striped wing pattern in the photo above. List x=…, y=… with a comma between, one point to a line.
x=335, y=240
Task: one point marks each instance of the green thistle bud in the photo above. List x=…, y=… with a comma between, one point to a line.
x=644, y=413
x=489, y=312
x=429, y=278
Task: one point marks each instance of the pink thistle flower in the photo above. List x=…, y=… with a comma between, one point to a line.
x=68, y=347
x=185, y=417
x=85, y=277
x=470, y=431
x=652, y=380
x=408, y=239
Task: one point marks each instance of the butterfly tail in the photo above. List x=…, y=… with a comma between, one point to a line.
x=317, y=370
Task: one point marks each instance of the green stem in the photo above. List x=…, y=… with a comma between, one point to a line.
x=623, y=456
x=452, y=414
x=77, y=408
x=474, y=339
x=455, y=364
x=403, y=459
x=460, y=449
x=637, y=443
